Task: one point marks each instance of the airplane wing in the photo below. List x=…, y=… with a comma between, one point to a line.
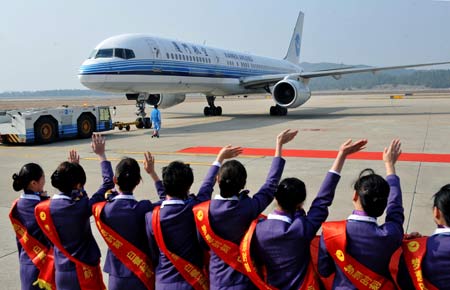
x=268, y=80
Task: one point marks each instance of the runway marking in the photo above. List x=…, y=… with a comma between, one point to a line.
x=411, y=157
x=156, y=161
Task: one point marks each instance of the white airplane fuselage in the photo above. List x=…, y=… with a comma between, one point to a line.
x=160, y=71
x=137, y=63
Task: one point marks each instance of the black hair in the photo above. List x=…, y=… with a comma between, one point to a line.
x=28, y=173
x=442, y=202
x=290, y=193
x=232, y=178
x=155, y=106
x=373, y=192
x=67, y=176
x=128, y=174
x=177, y=179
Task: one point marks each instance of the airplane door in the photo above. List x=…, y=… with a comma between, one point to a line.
x=155, y=53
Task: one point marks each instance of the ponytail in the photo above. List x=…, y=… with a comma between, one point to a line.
x=67, y=176
x=232, y=178
x=28, y=173
x=373, y=192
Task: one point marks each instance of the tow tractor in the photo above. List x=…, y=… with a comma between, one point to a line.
x=46, y=125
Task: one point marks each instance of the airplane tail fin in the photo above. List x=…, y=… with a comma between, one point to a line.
x=293, y=53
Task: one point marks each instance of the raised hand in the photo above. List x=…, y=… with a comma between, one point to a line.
x=73, y=157
x=349, y=147
x=149, y=163
x=391, y=153
x=286, y=136
x=98, y=145
x=283, y=138
x=228, y=152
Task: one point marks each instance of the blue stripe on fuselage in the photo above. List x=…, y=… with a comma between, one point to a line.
x=175, y=68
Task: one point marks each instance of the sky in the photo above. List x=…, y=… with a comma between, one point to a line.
x=44, y=42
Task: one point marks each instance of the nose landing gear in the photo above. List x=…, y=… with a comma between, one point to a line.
x=212, y=110
x=142, y=121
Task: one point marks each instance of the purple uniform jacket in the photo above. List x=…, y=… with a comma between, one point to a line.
x=126, y=216
x=71, y=219
x=25, y=211
x=180, y=235
x=230, y=220
x=368, y=243
x=281, y=243
x=435, y=264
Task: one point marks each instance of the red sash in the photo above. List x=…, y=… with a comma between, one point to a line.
x=413, y=251
x=327, y=282
x=191, y=273
x=229, y=252
x=40, y=255
x=89, y=277
x=335, y=238
x=309, y=283
x=133, y=258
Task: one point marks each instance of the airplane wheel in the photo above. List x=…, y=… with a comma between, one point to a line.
x=120, y=127
x=278, y=111
x=139, y=123
x=273, y=111
x=147, y=123
x=127, y=127
x=219, y=111
x=207, y=111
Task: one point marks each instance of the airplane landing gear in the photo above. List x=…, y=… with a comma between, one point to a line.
x=212, y=110
x=142, y=121
x=278, y=111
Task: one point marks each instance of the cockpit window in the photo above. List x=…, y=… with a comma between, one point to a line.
x=129, y=54
x=123, y=53
x=104, y=53
x=119, y=52
x=93, y=53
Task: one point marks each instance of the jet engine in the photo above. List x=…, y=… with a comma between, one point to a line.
x=162, y=100
x=165, y=100
x=289, y=93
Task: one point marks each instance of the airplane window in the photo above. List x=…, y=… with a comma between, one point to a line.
x=129, y=54
x=93, y=53
x=171, y=56
x=176, y=56
x=119, y=52
x=190, y=57
x=167, y=54
x=104, y=53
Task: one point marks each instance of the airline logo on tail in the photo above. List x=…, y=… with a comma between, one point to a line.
x=297, y=45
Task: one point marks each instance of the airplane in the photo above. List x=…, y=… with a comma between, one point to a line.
x=158, y=71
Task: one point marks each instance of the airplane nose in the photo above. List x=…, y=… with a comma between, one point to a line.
x=93, y=82
x=88, y=76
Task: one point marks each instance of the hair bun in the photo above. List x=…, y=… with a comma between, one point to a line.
x=15, y=176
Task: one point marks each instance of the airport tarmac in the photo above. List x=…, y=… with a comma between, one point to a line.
x=421, y=122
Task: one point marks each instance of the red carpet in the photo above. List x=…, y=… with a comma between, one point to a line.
x=414, y=157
